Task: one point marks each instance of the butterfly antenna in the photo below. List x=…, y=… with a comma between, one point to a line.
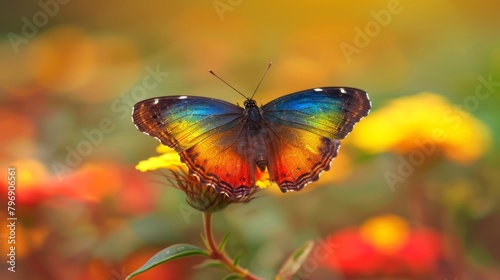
x=261, y=79
x=212, y=72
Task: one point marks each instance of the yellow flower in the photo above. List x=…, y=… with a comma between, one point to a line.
x=262, y=179
x=425, y=122
x=201, y=197
x=170, y=159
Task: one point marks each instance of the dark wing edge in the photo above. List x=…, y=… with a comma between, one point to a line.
x=328, y=151
x=212, y=172
x=355, y=103
x=316, y=171
x=147, y=116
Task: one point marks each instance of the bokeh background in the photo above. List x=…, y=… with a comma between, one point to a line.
x=413, y=194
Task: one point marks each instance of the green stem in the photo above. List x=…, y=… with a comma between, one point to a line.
x=216, y=254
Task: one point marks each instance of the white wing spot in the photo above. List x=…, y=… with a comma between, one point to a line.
x=156, y=101
x=318, y=89
x=183, y=97
x=343, y=90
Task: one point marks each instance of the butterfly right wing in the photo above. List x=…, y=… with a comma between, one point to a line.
x=305, y=129
x=206, y=133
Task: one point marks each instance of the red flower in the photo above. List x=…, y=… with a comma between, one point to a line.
x=90, y=183
x=384, y=246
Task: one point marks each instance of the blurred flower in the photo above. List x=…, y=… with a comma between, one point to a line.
x=90, y=183
x=19, y=142
x=201, y=197
x=31, y=181
x=74, y=211
x=425, y=122
x=67, y=60
x=62, y=58
x=27, y=239
x=384, y=246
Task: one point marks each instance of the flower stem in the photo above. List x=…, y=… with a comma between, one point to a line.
x=217, y=254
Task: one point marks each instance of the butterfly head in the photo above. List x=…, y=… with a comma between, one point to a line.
x=250, y=103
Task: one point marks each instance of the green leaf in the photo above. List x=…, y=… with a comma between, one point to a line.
x=211, y=264
x=237, y=258
x=223, y=242
x=295, y=261
x=170, y=253
x=233, y=276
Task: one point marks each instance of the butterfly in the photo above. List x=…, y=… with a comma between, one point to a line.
x=295, y=137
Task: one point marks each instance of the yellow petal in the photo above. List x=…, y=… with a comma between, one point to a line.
x=387, y=233
x=263, y=179
x=162, y=149
x=167, y=160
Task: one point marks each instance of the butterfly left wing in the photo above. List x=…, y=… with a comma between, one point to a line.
x=304, y=130
x=206, y=133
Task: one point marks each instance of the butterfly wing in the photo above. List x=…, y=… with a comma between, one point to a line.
x=205, y=132
x=304, y=130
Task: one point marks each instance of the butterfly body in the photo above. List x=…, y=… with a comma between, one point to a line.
x=295, y=136
x=254, y=148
